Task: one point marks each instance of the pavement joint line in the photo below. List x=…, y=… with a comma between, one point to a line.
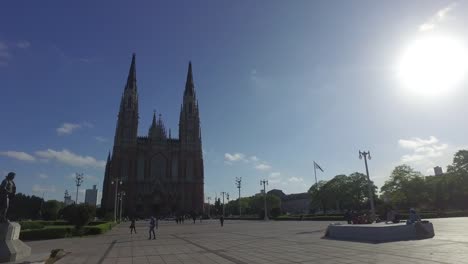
x=109, y=248
x=216, y=252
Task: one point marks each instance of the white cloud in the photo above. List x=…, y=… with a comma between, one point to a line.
x=43, y=188
x=23, y=44
x=68, y=128
x=19, y=155
x=253, y=158
x=416, y=142
x=275, y=175
x=70, y=158
x=43, y=176
x=234, y=157
x=101, y=139
x=295, y=179
x=426, y=153
x=437, y=18
x=262, y=167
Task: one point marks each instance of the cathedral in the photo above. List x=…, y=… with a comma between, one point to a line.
x=160, y=175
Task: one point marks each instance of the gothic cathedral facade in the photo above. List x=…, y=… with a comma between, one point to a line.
x=160, y=175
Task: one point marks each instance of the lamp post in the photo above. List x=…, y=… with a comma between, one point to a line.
x=223, y=193
x=371, y=195
x=209, y=206
x=264, y=183
x=78, y=181
x=238, y=185
x=117, y=182
x=121, y=196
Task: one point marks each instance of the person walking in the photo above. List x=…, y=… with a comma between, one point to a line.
x=132, y=226
x=221, y=219
x=151, y=227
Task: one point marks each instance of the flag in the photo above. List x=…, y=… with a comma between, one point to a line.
x=317, y=166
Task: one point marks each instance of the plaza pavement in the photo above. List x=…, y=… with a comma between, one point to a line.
x=242, y=242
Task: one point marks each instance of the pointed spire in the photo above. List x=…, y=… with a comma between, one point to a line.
x=189, y=86
x=154, y=119
x=131, y=80
x=108, y=157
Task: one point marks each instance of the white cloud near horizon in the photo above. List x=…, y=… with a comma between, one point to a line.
x=437, y=18
x=68, y=128
x=69, y=158
x=263, y=167
x=19, y=155
x=234, y=157
x=425, y=154
x=275, y=175
x=295, y=179
x=36, y=188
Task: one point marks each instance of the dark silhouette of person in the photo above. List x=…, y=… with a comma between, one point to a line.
x=132, y=226
x=7, y=192
x=347, y=216
x=221, y=219
x=151, y=227
x=194, y=217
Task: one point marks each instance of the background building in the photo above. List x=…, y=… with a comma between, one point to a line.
x=438, y=171
x=67, y=199
x=91, y=196
x=161, y=175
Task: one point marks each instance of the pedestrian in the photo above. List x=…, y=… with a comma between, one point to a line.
x=132, y=226
x=151, y=228
x=177, y=220
x=194, y=217
x=347, y=217
x=221, y=219
x=413, y=217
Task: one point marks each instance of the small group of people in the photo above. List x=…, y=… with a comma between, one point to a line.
x=353, y=217
x=153, y=223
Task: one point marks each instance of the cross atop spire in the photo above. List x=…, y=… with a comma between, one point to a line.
x=189, y=86
x=131, y=80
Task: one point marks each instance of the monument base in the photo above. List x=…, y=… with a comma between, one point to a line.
x=11, y=248
x=378, y=233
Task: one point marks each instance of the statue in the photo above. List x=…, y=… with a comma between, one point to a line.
x=7, y=191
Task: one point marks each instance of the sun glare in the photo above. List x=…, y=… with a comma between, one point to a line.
x=433, y=66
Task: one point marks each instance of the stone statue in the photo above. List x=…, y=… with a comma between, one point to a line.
x=7, y=191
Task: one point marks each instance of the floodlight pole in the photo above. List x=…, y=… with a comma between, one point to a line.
x=371, y=195
x=78, y=181
x=121, y=196
x=264, y=183
x=238, y=185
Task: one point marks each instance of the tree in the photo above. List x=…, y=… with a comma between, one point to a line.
x=24, y=207
x=405, y=188
x=50, y=209
x=79, y=215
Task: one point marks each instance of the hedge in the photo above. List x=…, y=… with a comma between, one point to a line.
x=46, y=233
x=31, y=225
x=53, y=232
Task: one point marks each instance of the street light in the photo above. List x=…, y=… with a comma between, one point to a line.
x=78, y=181
x=224, y=193
x=371, y=195
x=121, y=196
x=264, y=183
x=238, y=185
x=117, y=182
x=209, y=206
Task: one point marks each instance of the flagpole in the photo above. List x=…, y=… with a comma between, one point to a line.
x=315, y=174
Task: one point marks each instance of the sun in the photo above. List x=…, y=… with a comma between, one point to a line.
x=433, y=66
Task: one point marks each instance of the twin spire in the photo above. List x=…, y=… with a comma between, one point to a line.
x=131, y=80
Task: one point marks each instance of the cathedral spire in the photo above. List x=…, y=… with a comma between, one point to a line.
x=131, y=80
x=189, y=86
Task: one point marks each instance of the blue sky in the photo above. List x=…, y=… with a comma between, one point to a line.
x=280, y=84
